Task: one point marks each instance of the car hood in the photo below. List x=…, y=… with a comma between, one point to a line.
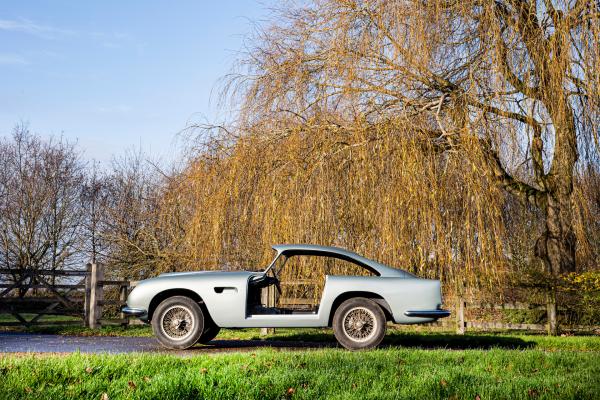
x=207, y=273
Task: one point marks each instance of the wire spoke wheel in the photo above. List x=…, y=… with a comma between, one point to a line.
x=360, y=324
x=177, y=322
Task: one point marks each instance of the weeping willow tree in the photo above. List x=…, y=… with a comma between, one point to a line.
x=511, y=87
x=382, y=189
x=447, y=138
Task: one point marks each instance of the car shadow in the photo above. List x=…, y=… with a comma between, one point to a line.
x=217, y=345
x=455, y=342
x=392, y=340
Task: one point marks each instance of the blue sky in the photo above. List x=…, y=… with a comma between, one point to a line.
x=114, y=75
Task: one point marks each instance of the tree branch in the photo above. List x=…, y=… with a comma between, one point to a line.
x=523, y=191
x=509, y=75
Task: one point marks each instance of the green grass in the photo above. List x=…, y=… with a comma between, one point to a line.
x=411, y=364
x=393, y=373
x=27, y=316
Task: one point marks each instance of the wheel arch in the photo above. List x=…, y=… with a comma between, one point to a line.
x=377, y=298
x=165, y=294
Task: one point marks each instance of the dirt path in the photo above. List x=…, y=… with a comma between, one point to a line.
x=41, y=343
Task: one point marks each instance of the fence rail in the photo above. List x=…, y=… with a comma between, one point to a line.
x=58, y=298
x=551, y=315
x=4, y=271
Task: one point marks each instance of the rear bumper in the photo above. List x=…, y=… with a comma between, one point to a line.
x=427, y=313
x=135, y=312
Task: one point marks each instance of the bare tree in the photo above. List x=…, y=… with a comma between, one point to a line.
x=132, y=227
x=520, y=78
x=94, y=201
x=40, y=216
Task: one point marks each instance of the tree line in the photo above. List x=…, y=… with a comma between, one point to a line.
x=59, y=211
x=402, y=202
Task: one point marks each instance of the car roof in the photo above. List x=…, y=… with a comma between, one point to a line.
x=312, y=247
x=337, y=252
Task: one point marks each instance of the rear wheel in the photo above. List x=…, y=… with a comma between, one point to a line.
x=359, y=323
x=178, y=322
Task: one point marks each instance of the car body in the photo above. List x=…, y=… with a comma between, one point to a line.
x=231, y=299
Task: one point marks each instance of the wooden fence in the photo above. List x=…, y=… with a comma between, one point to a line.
x=98, y=301
x=36, y=293
x=50, y=298
x=86, y=300
x=462, y=324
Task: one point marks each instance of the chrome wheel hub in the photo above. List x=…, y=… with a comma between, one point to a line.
x=360, y=324
x=177, y=322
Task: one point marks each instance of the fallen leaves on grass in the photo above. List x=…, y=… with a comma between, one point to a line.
x=444, y=383
x=89, y=370
x=203, y=371
x=147, y=379
x=131, y=385
x=104, y=396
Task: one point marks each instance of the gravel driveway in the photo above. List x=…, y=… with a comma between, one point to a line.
x=42, y=343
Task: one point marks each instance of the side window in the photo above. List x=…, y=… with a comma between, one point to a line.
x=303, y=267
x=303, y=278
x=336, y=266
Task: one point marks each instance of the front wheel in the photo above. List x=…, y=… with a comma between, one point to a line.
x=359, y=323
x=178, y=322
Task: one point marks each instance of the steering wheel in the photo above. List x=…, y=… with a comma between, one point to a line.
x=276, y=281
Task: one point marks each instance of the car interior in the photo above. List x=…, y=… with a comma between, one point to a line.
x=272, y=281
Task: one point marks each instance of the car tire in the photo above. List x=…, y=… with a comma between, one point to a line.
x=178, y=322
x=210, y=332
x=359, y=323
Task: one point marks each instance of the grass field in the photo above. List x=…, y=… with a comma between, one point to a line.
x=392, y=373
x=411, y=365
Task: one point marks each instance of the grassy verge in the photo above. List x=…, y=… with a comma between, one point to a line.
x=383, y=374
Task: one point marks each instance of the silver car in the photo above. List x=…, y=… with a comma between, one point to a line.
x=185, y=308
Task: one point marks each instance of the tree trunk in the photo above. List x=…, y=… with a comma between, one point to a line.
x=556, y=246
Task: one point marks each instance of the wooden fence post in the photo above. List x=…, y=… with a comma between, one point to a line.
x=123, y=299
x=461, y=327
x=96, y=295
x=552, y=320
x=87, y=294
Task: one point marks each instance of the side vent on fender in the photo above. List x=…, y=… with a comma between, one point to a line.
x=225, y=289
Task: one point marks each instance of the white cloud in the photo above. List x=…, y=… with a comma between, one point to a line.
x=112, y=40
x=32, y=28
x=13, y=59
